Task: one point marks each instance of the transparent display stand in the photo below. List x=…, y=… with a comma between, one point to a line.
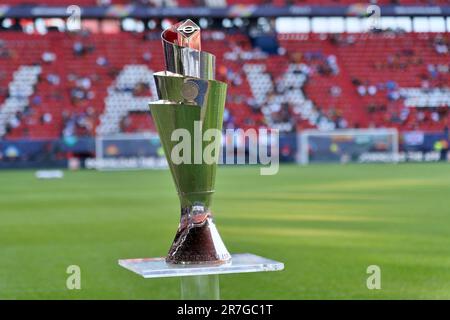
x=200, y=281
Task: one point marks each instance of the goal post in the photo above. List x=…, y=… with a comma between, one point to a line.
x=348, y=145
x=127, y=151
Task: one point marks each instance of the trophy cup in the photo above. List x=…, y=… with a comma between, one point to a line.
x=190, y=99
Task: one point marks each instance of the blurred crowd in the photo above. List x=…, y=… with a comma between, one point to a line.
x=275, y=108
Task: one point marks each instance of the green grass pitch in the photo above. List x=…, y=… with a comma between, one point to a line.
x=327, y=223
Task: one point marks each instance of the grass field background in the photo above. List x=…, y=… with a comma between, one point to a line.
x=327, y=223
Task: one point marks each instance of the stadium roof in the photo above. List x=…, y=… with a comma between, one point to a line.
x=247, y=11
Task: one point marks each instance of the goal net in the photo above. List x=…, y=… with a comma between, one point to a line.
x=354, y=145
x=128, y=151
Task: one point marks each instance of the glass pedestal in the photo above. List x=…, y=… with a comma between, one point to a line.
x=200, y=281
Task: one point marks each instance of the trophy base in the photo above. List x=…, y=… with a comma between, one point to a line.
x=198, y=242
x=239, y=263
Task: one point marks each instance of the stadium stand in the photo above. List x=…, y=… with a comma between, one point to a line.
x=19, y=90
x=373, y=69
x=317, y=80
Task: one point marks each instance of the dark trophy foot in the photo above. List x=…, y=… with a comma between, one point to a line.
x=198, y=242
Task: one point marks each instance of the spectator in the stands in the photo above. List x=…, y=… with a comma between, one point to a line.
x=84, y=83
x=391, y=85
x=362, y=90
x=102, y=61
x=36, y=100
x=147, y=56
x=332, y=63
x=393, y=95
x=238, y=53
x=228, y=119
x=85, y=124
x=249, y=102
x=404, y=114
x=69, y=125
x=420, y=116
x=78, y=48
x=372, y=90
x=15, y=120
x=425, y=83
x=432, y=71
x=46, y=118
x=76, y=94
x=53, y=79
x=440, y=44
x=48, y=57
x=335, y=91
x=394, y=117
x=125, y=123
x=356, y=81
x=233, y=77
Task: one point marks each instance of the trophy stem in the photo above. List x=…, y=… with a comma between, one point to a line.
x=200, y=287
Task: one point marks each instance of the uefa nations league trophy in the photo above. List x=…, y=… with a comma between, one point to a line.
x=191, y=100
x=191, y=103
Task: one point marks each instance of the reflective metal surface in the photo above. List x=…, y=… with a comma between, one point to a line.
x=182, y=52
x=173, y=88
x=188, y=96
